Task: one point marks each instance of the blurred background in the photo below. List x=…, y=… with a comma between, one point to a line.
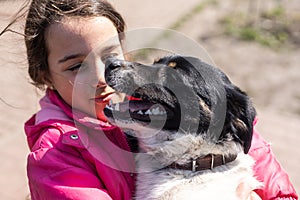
x=256, y=42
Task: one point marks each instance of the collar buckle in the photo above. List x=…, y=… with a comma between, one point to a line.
x=194, y=165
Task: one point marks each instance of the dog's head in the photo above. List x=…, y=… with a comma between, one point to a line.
x=180, y=94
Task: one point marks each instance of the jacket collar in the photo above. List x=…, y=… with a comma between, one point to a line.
x=63, y=111
x=55, y=112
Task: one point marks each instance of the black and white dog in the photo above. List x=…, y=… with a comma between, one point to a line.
x=193, y=126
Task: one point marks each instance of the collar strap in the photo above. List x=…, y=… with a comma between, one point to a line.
x=208, y=162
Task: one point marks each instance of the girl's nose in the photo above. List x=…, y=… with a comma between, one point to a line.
x=98, y=81
x=97, y=75
x=101, y=84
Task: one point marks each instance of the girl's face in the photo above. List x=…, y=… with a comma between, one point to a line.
x=77, y=48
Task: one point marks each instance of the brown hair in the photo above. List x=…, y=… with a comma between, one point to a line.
x=44, y=12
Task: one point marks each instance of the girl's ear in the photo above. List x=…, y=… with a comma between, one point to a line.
x=48, y=82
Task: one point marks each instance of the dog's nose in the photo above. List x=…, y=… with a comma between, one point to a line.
x=113, y=63
x=111, y=66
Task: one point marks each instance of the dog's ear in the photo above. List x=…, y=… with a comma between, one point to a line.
x=240, y=115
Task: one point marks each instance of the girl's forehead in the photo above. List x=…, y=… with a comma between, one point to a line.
x=82, y=24
x=90, y=31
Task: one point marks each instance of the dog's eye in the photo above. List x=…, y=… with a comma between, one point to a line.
x=172, y=64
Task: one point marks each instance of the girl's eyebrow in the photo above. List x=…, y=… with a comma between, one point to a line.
x=68, y=57
x=104, y=50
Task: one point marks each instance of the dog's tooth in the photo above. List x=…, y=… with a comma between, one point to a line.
x=148, y=112
x=140, y=112
x=155, y=111
x=117, y=107
x=109, y=107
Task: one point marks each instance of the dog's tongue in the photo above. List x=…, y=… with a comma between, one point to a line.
x=120, y=101
x=131, y=98
x=132, y=105
x=135, y=104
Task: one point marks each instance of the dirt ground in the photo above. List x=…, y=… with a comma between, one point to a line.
x=271, y=77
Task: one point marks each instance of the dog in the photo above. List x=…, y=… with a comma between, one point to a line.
x=193, y=127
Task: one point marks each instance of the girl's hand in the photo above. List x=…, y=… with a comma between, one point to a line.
x=253, y=196
x=245, y=192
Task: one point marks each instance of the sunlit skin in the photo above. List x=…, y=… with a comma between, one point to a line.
x=77, y=48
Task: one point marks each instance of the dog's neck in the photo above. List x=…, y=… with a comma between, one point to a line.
x=203, y=163
x=165, y=148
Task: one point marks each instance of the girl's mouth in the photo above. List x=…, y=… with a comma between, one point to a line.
x=104, y=98
x=114, y=97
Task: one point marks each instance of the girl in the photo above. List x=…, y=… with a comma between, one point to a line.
x=60, y=36
x=75, y=153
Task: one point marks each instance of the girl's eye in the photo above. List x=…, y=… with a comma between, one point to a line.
x=75, y=67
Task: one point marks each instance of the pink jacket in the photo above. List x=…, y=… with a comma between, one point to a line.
x=77, y=157
x=85, y=160
x=269, y=171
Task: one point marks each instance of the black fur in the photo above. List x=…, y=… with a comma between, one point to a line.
x=198, y=98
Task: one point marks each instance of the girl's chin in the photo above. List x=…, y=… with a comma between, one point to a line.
x=99, y=112
x=102, y=118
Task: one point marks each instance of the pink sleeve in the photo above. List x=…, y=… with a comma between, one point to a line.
x=269, y=171
x=56, y=174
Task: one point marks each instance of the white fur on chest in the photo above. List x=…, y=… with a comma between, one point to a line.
x=155, y=182
x=218, y=183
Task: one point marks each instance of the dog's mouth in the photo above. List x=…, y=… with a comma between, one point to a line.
x=147, y=101
x=138, y=109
